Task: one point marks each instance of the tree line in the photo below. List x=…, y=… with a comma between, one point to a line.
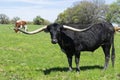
x=38, y=20
x=82, y=12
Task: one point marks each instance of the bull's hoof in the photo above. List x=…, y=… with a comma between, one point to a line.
x=78, y=70
x=70, y=70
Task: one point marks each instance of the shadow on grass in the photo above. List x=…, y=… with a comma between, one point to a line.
x=65, y=69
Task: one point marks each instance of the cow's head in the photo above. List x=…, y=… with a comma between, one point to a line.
x=54, y=30
x=16, y=30
x=16, y=27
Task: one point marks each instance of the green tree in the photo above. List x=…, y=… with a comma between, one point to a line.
x=38, y=20
x=4, y=19
x=84, y=12
x=46, y=22
x=113, y=14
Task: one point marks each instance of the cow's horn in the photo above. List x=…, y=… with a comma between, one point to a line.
x=33, y=32
x=74, y=29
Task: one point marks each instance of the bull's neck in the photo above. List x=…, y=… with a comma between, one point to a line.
x=60, y=37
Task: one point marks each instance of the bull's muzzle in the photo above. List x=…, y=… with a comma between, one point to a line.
x=54, y=41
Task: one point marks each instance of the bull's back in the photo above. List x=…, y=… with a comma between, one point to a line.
x=91, y=39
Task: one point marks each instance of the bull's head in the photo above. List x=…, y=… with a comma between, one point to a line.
x=54, y=30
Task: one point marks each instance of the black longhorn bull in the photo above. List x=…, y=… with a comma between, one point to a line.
x=72, y=41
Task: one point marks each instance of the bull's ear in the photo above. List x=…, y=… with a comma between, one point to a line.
x=62, y=28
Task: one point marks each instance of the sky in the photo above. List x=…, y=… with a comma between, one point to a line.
x=29, y=9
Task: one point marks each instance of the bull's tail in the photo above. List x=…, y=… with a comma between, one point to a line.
x=113, y=52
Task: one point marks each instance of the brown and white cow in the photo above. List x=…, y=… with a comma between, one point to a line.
x=21, y=25
x=117, y=28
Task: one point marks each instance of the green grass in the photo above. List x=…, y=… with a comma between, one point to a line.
x=33, y=57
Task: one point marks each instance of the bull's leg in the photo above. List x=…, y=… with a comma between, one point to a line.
x=70, y=62
x=106, y=49
x=113, y=55
x=77, y=57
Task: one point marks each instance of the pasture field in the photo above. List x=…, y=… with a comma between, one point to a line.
x=33, y=57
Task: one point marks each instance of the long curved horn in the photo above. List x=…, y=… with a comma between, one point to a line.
x=74, y=29
x=33, y=32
